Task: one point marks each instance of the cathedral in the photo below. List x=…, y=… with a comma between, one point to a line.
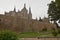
x=22, y=21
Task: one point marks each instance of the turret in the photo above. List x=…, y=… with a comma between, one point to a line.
x=24, y=9
x=14, y=9
x=40, y=19
x=24, y=5
x=29, y=10
x=30, y=14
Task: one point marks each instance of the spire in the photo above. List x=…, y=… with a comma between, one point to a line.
x=30, y=14
x=24, y=5
x=29, y=10
x=14, y=9
x=40, y=19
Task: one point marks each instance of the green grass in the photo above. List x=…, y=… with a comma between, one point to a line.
x=29, y=34
x=34, y=34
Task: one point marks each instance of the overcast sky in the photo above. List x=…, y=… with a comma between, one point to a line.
x=39, y=7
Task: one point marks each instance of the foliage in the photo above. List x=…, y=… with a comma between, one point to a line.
x=59, y=30
x=54, y=11
x=28, y=34
x=58, y=2
x=35, y=34
x=44, y=29
x=54, y=32
x=8, y=35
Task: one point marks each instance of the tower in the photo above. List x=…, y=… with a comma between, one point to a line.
x=24, y=12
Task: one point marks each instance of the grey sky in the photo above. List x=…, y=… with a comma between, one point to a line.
x=39, y=7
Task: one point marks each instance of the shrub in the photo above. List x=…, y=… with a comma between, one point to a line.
x=54, y=33
x=59, y=30
x=8, y=35
x=44, y=29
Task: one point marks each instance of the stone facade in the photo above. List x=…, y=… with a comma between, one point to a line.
x=22, y=21
x=22, y=14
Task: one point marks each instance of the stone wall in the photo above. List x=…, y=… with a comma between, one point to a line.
x=24, y=25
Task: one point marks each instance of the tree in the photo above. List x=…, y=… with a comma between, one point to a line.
x=58, y=8
x=54, y=11
x=8, y=35
x=58, y=2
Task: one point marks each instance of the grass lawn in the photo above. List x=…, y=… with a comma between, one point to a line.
x=29, y=34
x=34, y=34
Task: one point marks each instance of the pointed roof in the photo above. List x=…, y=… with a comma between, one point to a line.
x=14, y=9
x=40, y=19
x=29, y=10
x=24, y=5
x=24, y=9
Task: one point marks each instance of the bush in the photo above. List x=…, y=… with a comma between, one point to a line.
x=54, y=33
x=59, y=30
x=45, y=29
x=8, y=35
